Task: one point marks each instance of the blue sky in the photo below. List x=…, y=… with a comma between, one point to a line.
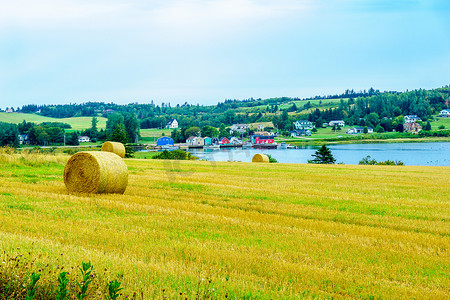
x=205, y=51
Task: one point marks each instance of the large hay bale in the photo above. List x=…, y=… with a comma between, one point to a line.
x=96, y=172
x=260, y=158
x=114, y=147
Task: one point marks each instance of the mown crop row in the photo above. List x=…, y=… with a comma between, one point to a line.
x=237, y=230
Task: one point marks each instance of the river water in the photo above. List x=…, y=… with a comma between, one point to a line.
x=411, y=154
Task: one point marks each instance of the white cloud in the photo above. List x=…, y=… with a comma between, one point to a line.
x=139, y=13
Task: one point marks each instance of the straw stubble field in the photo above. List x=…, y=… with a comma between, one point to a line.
x=239, y=230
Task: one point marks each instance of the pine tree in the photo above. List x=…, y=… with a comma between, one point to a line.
x=322, y=156
x=119, y=134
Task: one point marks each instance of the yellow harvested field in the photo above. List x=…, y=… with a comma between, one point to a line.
x=239, y=230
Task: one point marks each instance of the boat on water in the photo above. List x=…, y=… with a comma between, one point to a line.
x=169, y=147
x=282, y=145
x=247, y=145
x=211, y=147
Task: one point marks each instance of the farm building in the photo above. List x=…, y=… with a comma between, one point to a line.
x=164, y=141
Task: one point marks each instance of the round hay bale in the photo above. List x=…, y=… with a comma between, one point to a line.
x=260, y=158
x=96, y=172
x=114, y=147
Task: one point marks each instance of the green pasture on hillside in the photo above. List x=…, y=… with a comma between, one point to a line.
x=77, y=123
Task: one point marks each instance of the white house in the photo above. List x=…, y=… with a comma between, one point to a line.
x=9, y=110
x=303, y=124
x=356, y=130
x=412, y=119
x=235, y=141
x=445, y=113
x=241, y=128
x=83, y=139
x=340, y=123
x=260, y=127
x=172, y=124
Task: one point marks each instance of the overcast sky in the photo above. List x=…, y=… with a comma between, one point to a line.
x=205, y=51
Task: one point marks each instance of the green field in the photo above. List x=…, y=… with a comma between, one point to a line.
x=234, y=230
x=77, y=123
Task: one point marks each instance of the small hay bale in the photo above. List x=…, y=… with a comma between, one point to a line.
x=96, y=172
x=114, y=147
x=260, y=158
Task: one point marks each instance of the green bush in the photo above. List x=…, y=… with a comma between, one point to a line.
x=175, y=154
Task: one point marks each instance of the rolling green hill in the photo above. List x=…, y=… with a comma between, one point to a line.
x=77, y=123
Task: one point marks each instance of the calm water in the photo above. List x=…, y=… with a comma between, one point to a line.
x=411, y=154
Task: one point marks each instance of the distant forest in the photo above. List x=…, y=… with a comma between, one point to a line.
x=382, y=111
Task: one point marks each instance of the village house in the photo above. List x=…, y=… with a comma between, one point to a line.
x=295, y=133
x=9, y=110
x=241, y=128
x=23, y=139
x=412, y=118
x=265, y=133
x=83, y=139
x=172, y=124
x=261, y=139
x=303, y=124
x=412, y=127
x=445, y=113
x=260, y=127
x=356, y=130
x=340, y=123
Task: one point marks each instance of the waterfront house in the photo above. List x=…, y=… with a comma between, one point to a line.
x=224, y=141
x=164, y=141
x=199, y=141
x=207, y=141
x=445, y=113
x=262, y=139
x=303, y=124
x=412, y=118
x=235, y=141
x=191, y=140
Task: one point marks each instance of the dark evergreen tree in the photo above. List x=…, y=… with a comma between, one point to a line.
x=322, y=156
x=119, y=134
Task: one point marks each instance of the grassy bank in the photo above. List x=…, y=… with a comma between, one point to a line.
x=236, y=230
